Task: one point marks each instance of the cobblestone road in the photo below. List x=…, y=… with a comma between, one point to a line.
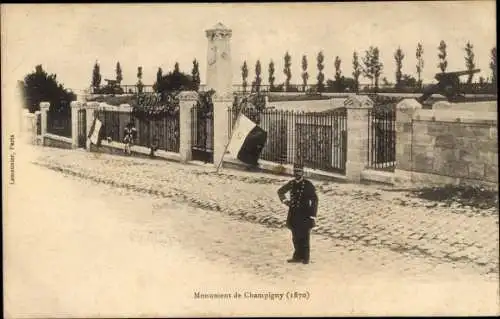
x=119, y=244
x=354, y=215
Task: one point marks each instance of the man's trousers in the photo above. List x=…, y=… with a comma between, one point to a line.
x=301, y=237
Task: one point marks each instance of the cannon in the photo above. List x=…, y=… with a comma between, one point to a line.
x=448, y=85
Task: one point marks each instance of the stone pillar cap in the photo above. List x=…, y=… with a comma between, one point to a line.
x=92, y=105
x=44, y=105
x=223, y=97
x=219, y=28
x=74, y=104
x=187, y=96
x=408, y=104
x=106, y=106
x=358, y=102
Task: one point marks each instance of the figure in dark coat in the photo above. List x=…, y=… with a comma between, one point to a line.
x=303, y=204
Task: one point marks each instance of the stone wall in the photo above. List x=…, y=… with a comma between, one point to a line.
x=52, y=140
x=454, y=147
x=485, y=106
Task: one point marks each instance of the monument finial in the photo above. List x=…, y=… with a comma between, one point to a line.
x=218, y=31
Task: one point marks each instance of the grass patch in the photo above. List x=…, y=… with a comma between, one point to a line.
x=472, y=196
x=298, y=97
x=115, y=100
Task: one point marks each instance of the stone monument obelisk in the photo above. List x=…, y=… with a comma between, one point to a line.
x=219, y=70
x=220, y=78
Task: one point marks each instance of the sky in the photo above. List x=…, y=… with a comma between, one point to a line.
x=67, y=39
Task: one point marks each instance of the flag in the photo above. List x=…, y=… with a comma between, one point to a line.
x=247, y=141
x=94, y=131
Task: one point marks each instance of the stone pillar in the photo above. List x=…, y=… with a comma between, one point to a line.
x=90, y=109
x=187, y=100
x=38, y=118
x=75, y=107
x=405, y=111
x=44, y=109
x=357, y=107
x=221, y=136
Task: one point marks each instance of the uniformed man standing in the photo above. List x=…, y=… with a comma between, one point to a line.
x=302, y=211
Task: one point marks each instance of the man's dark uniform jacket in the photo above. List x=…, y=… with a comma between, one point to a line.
x=303, y=203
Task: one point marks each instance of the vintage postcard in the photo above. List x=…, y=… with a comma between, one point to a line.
x=264, y=159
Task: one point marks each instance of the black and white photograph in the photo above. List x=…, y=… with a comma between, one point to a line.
x=250, y=159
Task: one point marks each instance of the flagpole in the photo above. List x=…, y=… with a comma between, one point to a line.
x=229, y=140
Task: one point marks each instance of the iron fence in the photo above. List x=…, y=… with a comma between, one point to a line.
x=134, y=89
x=317, y=140
x=202, y=134
x=162, y=133
x=82, y=127
x=110, y=125
x=382, y=138
x=59, y=123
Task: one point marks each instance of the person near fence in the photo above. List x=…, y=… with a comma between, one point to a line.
x=302, y=209
x=130, y=135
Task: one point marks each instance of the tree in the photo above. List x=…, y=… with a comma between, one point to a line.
x=372, y=65
x=305, y=75
x=96, y=76
x=399, y=56
x=139, y=73
x=493, y=65
x=195, y=74
x=469, y=60
x=377, y=66
x=321, y=77
x=408, y=81
x=119, y=76
x=140, y=86
x=338, y=84
x=420, y=62
x=443, y=64
x=159, y=76
x=348, y=84
x=287, y=70
x=175, y=81
x=176, y=68
x=338, y=72
x=341, y=85
x=244, y=75
x=39, y=86
x=356, y=70
x=271, y=75
x=258, y=79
